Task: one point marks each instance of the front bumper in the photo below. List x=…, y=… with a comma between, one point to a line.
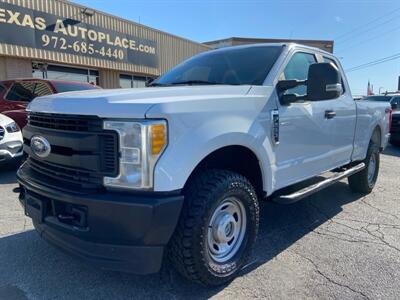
x=10, y=151
x=115, y=231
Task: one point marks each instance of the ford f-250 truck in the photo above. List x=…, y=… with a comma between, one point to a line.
x=123, y=178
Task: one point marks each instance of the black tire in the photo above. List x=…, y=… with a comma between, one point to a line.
x=359, y=182
x=188, y=249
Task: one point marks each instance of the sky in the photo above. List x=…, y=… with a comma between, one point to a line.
x=362, y=31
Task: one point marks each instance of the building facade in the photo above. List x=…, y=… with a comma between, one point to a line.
x=235, y=41
x=57, y=39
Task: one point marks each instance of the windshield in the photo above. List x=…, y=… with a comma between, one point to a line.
x=378, y=98
x=235, y=66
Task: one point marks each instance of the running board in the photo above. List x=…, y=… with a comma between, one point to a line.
x=307, y=191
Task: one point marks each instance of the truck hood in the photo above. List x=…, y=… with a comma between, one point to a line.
x=130, y=103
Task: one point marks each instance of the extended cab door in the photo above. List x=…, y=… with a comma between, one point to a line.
x=305, y=141
x=343, y=121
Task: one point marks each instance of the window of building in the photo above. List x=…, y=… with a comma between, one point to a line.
x=26, y=91
x=297, y=68
x=131, y=81
x=62, y=87
x=57, y=72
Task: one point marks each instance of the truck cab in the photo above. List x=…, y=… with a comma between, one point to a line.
x=123, y=178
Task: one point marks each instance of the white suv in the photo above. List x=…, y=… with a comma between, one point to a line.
x=10, y=140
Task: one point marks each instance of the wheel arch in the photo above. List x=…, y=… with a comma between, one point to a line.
x=235, y=158
x=376, y=135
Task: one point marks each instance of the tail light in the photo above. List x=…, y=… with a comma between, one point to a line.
x=390, y=119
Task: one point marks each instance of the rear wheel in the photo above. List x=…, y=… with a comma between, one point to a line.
x=217, y=227
x=364, y=181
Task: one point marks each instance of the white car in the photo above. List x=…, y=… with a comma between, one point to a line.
x=10, y=140
x=126, y=177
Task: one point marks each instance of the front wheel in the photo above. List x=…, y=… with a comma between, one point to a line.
x=217, y=228
x=364, y=181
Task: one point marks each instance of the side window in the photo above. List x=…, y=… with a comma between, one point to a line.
x=26, y=91
x=330, y=60
x=396, y=100
x=297, y=68
x=42, y=89
x=2, y=88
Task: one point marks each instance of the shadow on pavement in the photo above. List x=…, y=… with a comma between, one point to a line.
x=392, y=150
x=7, y=173
x=282, y=225
x=45, y=272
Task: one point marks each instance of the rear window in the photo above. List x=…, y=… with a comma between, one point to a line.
x=26, y=91
x=378, y=98
x=62, y=87
x=396, y=100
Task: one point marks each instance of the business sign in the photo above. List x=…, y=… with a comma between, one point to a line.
x=30, y=28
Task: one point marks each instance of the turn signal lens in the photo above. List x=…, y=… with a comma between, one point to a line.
x=158, y=138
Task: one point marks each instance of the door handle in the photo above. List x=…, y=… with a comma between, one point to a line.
x=330, y=114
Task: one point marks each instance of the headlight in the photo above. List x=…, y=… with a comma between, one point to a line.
x=140, y=146
x=12, y=127
x=1, y=133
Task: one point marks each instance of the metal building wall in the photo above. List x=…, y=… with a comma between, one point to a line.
x=109, y=79
x=12, y=68
x=171, y=49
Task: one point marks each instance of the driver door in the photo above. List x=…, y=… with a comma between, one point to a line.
x=305, y=140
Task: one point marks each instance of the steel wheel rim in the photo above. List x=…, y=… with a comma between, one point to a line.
x=371, y=169
x=226, y=230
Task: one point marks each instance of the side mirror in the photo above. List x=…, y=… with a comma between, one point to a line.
x=394, y=106
x=324, y=82
x=284, y=85
x=286, y=99
x=149, y=80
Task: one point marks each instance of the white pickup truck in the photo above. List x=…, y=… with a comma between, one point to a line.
x=123, y=178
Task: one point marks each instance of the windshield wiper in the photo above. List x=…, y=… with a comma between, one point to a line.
x=192, y=82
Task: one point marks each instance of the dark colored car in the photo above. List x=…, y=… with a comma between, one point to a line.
x=395, y=129
x=16, y=94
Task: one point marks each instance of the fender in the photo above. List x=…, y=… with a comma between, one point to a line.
x=191, y=139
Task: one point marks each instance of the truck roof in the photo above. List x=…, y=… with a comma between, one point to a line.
x=288, y=45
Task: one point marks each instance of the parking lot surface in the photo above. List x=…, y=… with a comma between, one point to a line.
x=332, y=245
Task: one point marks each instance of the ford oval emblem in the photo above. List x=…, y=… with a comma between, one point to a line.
x=40, y=146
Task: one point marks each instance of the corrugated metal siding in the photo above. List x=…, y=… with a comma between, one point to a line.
x=171, y=49
x=11, y=68
x=109, y=79
x=3, y=72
